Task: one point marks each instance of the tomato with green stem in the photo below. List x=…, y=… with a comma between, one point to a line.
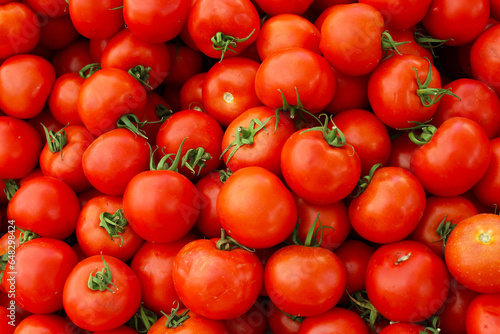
x=156, y=112
x=96, y=19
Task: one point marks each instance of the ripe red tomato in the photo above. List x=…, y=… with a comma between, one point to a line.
x=19, y=29
x=63, y=98
x=72, y=58
x=487, y=190
x=49, y=8
x=185, y=63
x=393, y=272
x=96, y=19
x=193, y=324
x=190, y=95
x=217, y=283
x=483, y=314
x=350, y=93
x=336, y=320
x=402, y=149
x=275, y=7
x=43, y=323
x=256, y=208
x=208, y=222
x=280, y=322
x=58, y=32
x=96, y=283
x=475, y=238
x=483, y=60
x=403, y=328
x=400, y=14
x=254, y=321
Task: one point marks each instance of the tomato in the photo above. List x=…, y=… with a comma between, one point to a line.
x=62, y=159
x=254, y=139
x=193, y=324
x=20, y=149
x=43, y=324
x=152, y=264
x=108, y=95
x=280, y=322
x=209, y=187
x=146, y=19
x=96, y=48
x=400, y=14
x=58, y=32
x=234, y=25
x=487, y=189
x=367, y=134
x=48, y=120
x=483, y=314
x=49, y=8
x=203, y=135
x=120, y=330
x=254, y=321
x=93, y=285
x=256, y=208
x=410, y=46
x=351, y=38
x=156, y=111
x=108, y=173
x=460, y=21
x=35, y=288
x=5, y=326
x=402, y=149
x=19, y=30
x=289, y=72
x=304, y=281
x=191, y=93
x=63, y=98
x=350, y=93
x=478, y=102
x=403, y=328
x=229, y=89
x=101, y=229
x=24, y=96
x=46, y=206
x=126, y=51
x=285, y=31
x=441, y=210
x=72, y=58
x=336, y=320
x=217, y=283
x=185, y=63
x=454, y=160
x=96, y=19
x=393, y=272
x=475, y=238
x=384, y=219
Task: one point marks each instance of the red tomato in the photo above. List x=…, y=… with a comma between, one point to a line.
x=45, y=118
x=280, y=322
x=209, y=187
x=101, y=229
x=460, y=21
x=108, y=95
x=483, y=314
x=403, y=328
x=72, y=58
x=120, y=330
x=275, y=7
x=20, y=149
x=96, y=283
x=217, y=283
x=46, y=206
x=454, y=160
x=256, y=208
x=146, y=19
x=475, y=238
x=19, y=29
x=400, y=14
x=126, y=51
x=49, y=8
x=185, y=63
x=350, y=93
x=96, y=19
x=5, y=326
x=110, y=173
x=24, y=96
x=351, y=38
x=285, y=31
x=254, y=321
x=57, y=33
x=43, y=324
x=487, y=190
x=393, y=272
x=410, y=46
x=96, y=48
x=234, y=25
x=157, y=110
x=191, y=93
x=336, y=320
x=35, y=288
x=193, y=324
x=385, y=219
x=63, y=99
x=402, y=149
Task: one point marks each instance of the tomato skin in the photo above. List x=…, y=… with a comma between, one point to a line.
x=37, y=289
x=190, y=95
x=403, y=328
x=279, y=322
x=337, y=320
x=402, y=149
x=120, y=330
x=24, y=96
x=383, y=219
x=67, y=165
x=125, y=51
x=106, y=96
x=304, y=281
x=256, y=208
x=316, y=171
x=195, y=324
x=487, y=189
x=57, y=33
x=63, y=98
x=265, y=150
x=90, y=309
x=390, y=283
x=483, y=59
x=49, y=8
x=454, y=160
x=237, y=18
x=110, y=174
x=214, y=283
x=209, y=187
x=460, y=21
x=21, y=148
x=72, y=58
x=146, y=19
x=95, y=19
x=46, y=206
x=277, y=7
x=468, y=242
x=5, y=326
x=185, y=63
x=350, y=93
x=400, y=14
x=254, y=321
x=483, y=314
x=19, y=31
x=161, y=205
x=43, y=324
x=94, y=240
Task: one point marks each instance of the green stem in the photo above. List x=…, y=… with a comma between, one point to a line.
x=55, y=140
x=428, y=95
x=365, y=180
x=163, y=165
x=427, y=131
x=10, y=188
x=429, y=42
x=225, y=42
x=142, y=320
x=297, y=318
x=91, y=68
x=141, y=74
x=434, y=328
x=368, y=312
x=227, y=243
x=26, y=235
x=195, y=157
x=224, y=175
x=100, y=280
x=131, y=122
x=333, y=137
x=444, y=230
x=388, y=44
x=175, y=320
x=163, y=113
x=114, y=224
x=4, y=260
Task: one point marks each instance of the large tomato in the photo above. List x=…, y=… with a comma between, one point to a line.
x=484, y=61
x=96, y=18
x=19, y=29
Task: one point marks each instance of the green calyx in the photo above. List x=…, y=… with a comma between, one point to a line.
x=142, y=320
x=4, y=260
x=333, y=137
x=227, y=243
x=388, y=44
x=428, y=95
x=424, y=135
x=100, y=280
x=114, y=224
x=195, y=157
x=433, y=328
x=163, y=163
x=163, y=113
x=245, y=136
x=10, y=188
x=312, y=235
x=297, y=318
x=89, y=69
x=225, y=42
x=369, y=313
x=444, y=230
x=428, y=42
x=131, y=122
x=293, y=110
x=224, y=175
x=26, y=235
x=365, y=180
x=55, y=140
x=174, y=319
x=141, y=74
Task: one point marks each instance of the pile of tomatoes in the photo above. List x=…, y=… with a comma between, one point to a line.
x=249, y=166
